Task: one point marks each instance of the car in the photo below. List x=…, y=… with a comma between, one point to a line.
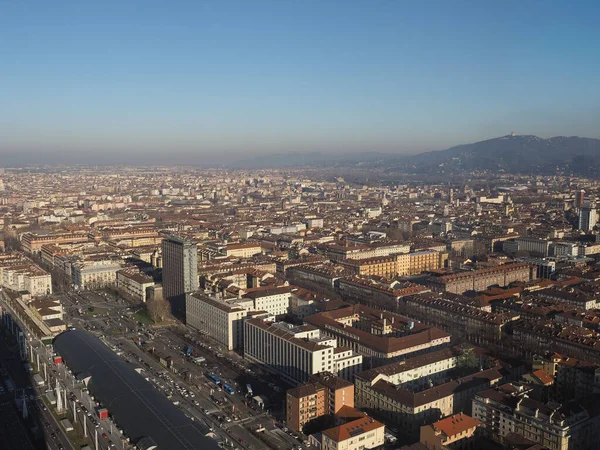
x=53, y=436
x=104, y=435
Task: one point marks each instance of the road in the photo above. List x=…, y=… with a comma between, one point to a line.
x=230, y=417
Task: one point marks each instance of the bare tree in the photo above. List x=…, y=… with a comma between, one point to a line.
x=158, y=308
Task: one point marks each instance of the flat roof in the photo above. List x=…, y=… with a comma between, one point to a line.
x=138, y=408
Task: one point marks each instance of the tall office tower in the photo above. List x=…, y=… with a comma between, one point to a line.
x=180, y=272
x=587, y=217
x=579, y=196
x=451, y=196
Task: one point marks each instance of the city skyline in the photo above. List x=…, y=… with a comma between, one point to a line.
x=214, y=82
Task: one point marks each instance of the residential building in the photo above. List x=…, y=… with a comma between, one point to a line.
x=324, y=394
x=379, y=335
x=457, y=431
x=361, y=433
x=509, y=410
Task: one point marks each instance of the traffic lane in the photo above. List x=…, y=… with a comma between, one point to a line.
x=233, y=401
x=203, y=401
x=54, y=427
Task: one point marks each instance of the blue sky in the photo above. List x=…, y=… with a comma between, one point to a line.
x=219, y=79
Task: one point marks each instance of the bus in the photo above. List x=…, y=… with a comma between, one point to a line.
x=214, y=378
x=228, y=389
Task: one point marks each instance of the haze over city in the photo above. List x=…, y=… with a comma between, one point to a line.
x=212, y=82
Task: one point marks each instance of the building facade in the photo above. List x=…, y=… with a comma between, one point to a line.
x=180, y=271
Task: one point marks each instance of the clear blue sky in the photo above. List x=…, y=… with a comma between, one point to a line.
x=217, y=79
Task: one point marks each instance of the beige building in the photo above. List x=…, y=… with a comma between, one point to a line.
x=218, y=319
x=479, y=280
x=458, y=431
x=242, y=250
x=418, y=262
x=19, y=273
x=357, y=433
x=133, y=283
x=95, y=273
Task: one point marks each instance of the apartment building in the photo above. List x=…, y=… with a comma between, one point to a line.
x=19, y=273
x=538, y=337
x=477, y=325
x=133, y=284
x=385, y=266
x=218, y=319
x=324, y=393
x=458, y=431
x=420, y=261
x=294, y=352
x=32, y=242
x=479, y=280
x=509, y=410
x=275, y=301
x=304, y=404
x=379, y=335
x=378, y=294
x=409, y=407
x=361, y=433
x=242, y=250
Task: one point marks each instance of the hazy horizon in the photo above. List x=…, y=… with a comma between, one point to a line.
x=214, y=82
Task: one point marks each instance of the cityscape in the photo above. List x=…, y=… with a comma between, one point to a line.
x=299, y=225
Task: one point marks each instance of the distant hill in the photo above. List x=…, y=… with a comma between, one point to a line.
x=514, y=154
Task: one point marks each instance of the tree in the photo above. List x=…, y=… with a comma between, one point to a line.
x=468, y=359
x=158, y=308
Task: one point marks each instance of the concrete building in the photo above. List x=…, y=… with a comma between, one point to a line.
x=180, y=271
x=296, y=352
x=218, y=319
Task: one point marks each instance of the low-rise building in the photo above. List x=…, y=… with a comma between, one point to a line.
x=358, y=433
x=458, y=431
